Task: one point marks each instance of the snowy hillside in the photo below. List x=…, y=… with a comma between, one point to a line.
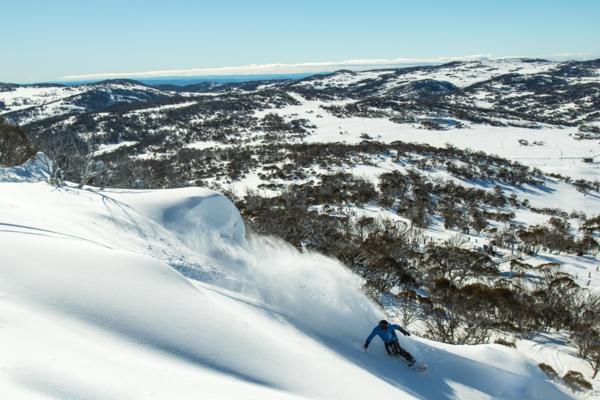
x=30, y=103
x=487, y=90
x=540, y=113
x=460, y=74
x=156, y=294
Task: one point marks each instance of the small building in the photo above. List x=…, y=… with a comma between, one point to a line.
x=592, y=159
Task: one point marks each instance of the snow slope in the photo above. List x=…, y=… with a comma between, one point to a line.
x=461, y=74
x=556, y=151
x=22, y=97
x=97, y=301
x=36, y=102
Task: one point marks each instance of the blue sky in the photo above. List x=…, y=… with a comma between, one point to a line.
x=53, y=39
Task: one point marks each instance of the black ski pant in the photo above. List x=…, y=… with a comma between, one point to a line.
x=393, y=349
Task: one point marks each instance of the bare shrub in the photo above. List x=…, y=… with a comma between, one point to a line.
x=587, y=341
x=576, y=382
x=548, y=370
x=15, y=147
x=506, y=343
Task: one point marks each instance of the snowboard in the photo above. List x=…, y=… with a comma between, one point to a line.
x=418, y=366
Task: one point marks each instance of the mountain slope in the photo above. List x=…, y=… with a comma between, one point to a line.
x=94, y=307
x=29, y=103
x=541, y=113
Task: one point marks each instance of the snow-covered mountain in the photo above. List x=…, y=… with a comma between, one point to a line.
x=112, y=294
x=489, y=105
x=471, y=89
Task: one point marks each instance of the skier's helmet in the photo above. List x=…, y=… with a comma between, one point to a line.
x=383, y=324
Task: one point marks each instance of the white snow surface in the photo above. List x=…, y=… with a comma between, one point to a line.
x=462, y=75
x=35, y=170
x=53, y=100
x=109, y=148
x=23, y=97
x=97, y=301
x=557, y=150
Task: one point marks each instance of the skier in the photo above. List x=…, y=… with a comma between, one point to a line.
x=387, y=333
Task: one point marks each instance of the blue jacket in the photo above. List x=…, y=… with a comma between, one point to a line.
x=387, y=335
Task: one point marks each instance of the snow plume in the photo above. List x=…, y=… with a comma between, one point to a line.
x=314, y=292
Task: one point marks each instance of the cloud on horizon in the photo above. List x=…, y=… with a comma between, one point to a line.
x=308, y=67
x=265, y=69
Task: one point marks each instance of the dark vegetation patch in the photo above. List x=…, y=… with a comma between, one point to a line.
x=15, y=146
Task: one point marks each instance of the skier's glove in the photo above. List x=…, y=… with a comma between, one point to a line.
x=366, y=345
x=405, y=333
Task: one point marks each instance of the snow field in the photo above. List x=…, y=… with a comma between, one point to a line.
x=93, y=308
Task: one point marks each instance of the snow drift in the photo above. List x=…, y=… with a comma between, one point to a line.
x=98, y=302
